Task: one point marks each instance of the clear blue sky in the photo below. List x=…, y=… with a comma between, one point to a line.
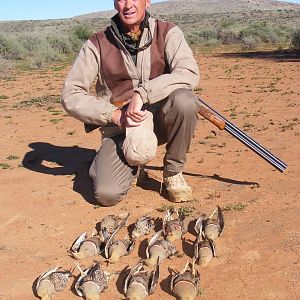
x=51, y=9
x=54, y=9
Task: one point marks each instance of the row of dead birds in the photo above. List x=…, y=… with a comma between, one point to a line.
x=139, y=282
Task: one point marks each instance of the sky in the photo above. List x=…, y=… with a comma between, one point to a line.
x=55, y=9
x=51, y=9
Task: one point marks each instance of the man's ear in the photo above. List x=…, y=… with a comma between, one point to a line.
x=148, y=3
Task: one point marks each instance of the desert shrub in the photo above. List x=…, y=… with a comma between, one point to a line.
x=29, y=42
x=10, y=48
x=264, y=33
x=250, y=42
x=295, y=40
x=226, y=23
x=82, y=32
x=60, y=43
x=45, y=53
x=208, y=34
x=5, y=66
x=204, y=37
x=227, y=37
x=211, y=43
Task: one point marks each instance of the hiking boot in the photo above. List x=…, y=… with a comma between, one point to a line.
x=178, y=189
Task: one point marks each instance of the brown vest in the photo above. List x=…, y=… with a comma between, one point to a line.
x=113, y=69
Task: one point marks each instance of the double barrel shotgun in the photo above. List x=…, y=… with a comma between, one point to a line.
x=214, y=117
x=222, y=123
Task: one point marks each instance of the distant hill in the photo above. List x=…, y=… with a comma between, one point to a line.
x=186, y=13
x=208, y=23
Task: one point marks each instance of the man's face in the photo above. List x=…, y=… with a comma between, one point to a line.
x=131, y=12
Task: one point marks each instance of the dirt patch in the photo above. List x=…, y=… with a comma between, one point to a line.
x=46, y=199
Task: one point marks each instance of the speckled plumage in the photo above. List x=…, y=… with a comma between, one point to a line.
x=94, y=277
x=52, y=281
x=111, y=223
x=142, y=227
x=59, y=279
x=173, y=225
x=168, y=247
x=159, y=248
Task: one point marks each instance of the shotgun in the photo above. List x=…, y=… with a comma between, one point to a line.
x=218, y=120
x=223, y=124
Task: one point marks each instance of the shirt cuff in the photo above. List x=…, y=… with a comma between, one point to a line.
x=144, y=95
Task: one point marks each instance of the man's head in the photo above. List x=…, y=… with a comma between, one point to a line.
x=132, y=12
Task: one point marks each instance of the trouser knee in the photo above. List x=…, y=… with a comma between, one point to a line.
x=184, y=102
x=107, y=197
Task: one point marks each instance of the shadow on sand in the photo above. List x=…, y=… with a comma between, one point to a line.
x=57, y=160
x=277, y=56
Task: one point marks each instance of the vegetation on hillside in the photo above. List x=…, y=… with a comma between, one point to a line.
x=249, y=37
x=34, y=50
x=32, y=44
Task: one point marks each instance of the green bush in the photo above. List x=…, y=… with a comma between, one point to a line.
x=227, y=37
x=29, y=42
x=264, y=33
x=226, y=23
x=10, y=48
x=82, y=32
x=250, y=42
x=208, y=34
x=44, y=54
x=60, y=43
x=295, y=40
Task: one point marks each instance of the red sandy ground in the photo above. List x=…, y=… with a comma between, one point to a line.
x=47, y=203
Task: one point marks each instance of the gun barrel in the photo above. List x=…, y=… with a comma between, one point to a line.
x=268, y=157
x=248, y=141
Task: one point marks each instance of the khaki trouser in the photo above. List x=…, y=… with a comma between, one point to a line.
x=174, y=124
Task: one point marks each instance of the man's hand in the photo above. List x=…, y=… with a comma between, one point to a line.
x=118, y=117
x=134, y=114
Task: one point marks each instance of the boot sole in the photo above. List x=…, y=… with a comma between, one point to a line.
x=180, y=196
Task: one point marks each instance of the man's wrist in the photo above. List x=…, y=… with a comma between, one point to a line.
x=142, y=93
x=118, y=117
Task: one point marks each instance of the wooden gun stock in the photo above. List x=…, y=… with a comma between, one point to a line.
x=211, y=117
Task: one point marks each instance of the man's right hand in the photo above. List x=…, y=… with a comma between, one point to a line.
x=118, y=117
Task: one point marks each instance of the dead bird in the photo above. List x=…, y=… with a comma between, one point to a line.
x=213, y=225
x=159, y=249
x=111, y=223
x=142, y=227
x=85, y=246
x=91, y=282
x=173, y=225
x=140, y=283
x=52, y=282
x=115, y=249
x=204, y=247
x=185, y=285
